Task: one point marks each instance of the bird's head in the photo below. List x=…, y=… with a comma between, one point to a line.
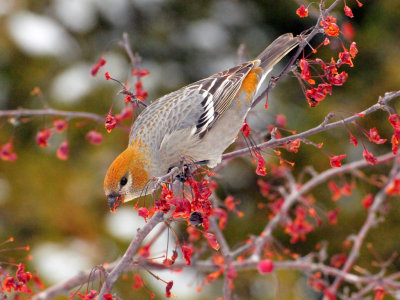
x=127, y=177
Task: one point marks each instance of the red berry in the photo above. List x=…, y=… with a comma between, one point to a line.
x=265, y=266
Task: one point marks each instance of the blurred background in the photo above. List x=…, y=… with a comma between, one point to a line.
x=58, y=207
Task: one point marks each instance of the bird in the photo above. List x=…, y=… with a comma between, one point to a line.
x=195, y=123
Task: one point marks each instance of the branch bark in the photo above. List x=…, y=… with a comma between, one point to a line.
x=126, y=259
x=291, y=199
x=370, y=221
x=320, y=128
x=54, y=112
x=225, y=251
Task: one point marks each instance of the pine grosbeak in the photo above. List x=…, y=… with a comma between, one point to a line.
x=194, y=124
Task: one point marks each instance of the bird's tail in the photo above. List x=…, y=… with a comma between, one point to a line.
x=276, y=51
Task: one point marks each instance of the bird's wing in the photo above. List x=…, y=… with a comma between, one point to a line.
x=186, y=115
x=195, y=108
x=216, y=95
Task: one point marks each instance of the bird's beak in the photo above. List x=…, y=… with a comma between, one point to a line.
x=114, y=201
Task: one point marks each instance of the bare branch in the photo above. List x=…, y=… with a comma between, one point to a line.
x=126, y=260
x=20, y=112
x=304, y=265
x=320, y=128
x=225, y=251
x=296, y=194
x=371, y=221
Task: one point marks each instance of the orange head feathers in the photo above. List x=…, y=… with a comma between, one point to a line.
x=126, y=178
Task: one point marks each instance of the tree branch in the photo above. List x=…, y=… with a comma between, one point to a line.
x=126, y=260
x=115, y=268
x=301, y=264
x=291, y=199
x=54, y=112
x=371, y=220
x=320, y=128
x=225, y=251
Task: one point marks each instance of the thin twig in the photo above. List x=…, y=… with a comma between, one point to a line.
x=63, y=288
x=127, y=47
x=289, y=66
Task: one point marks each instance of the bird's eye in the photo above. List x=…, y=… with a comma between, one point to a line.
x=123, y=181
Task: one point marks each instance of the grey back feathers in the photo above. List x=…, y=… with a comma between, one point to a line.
x=197, y=106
